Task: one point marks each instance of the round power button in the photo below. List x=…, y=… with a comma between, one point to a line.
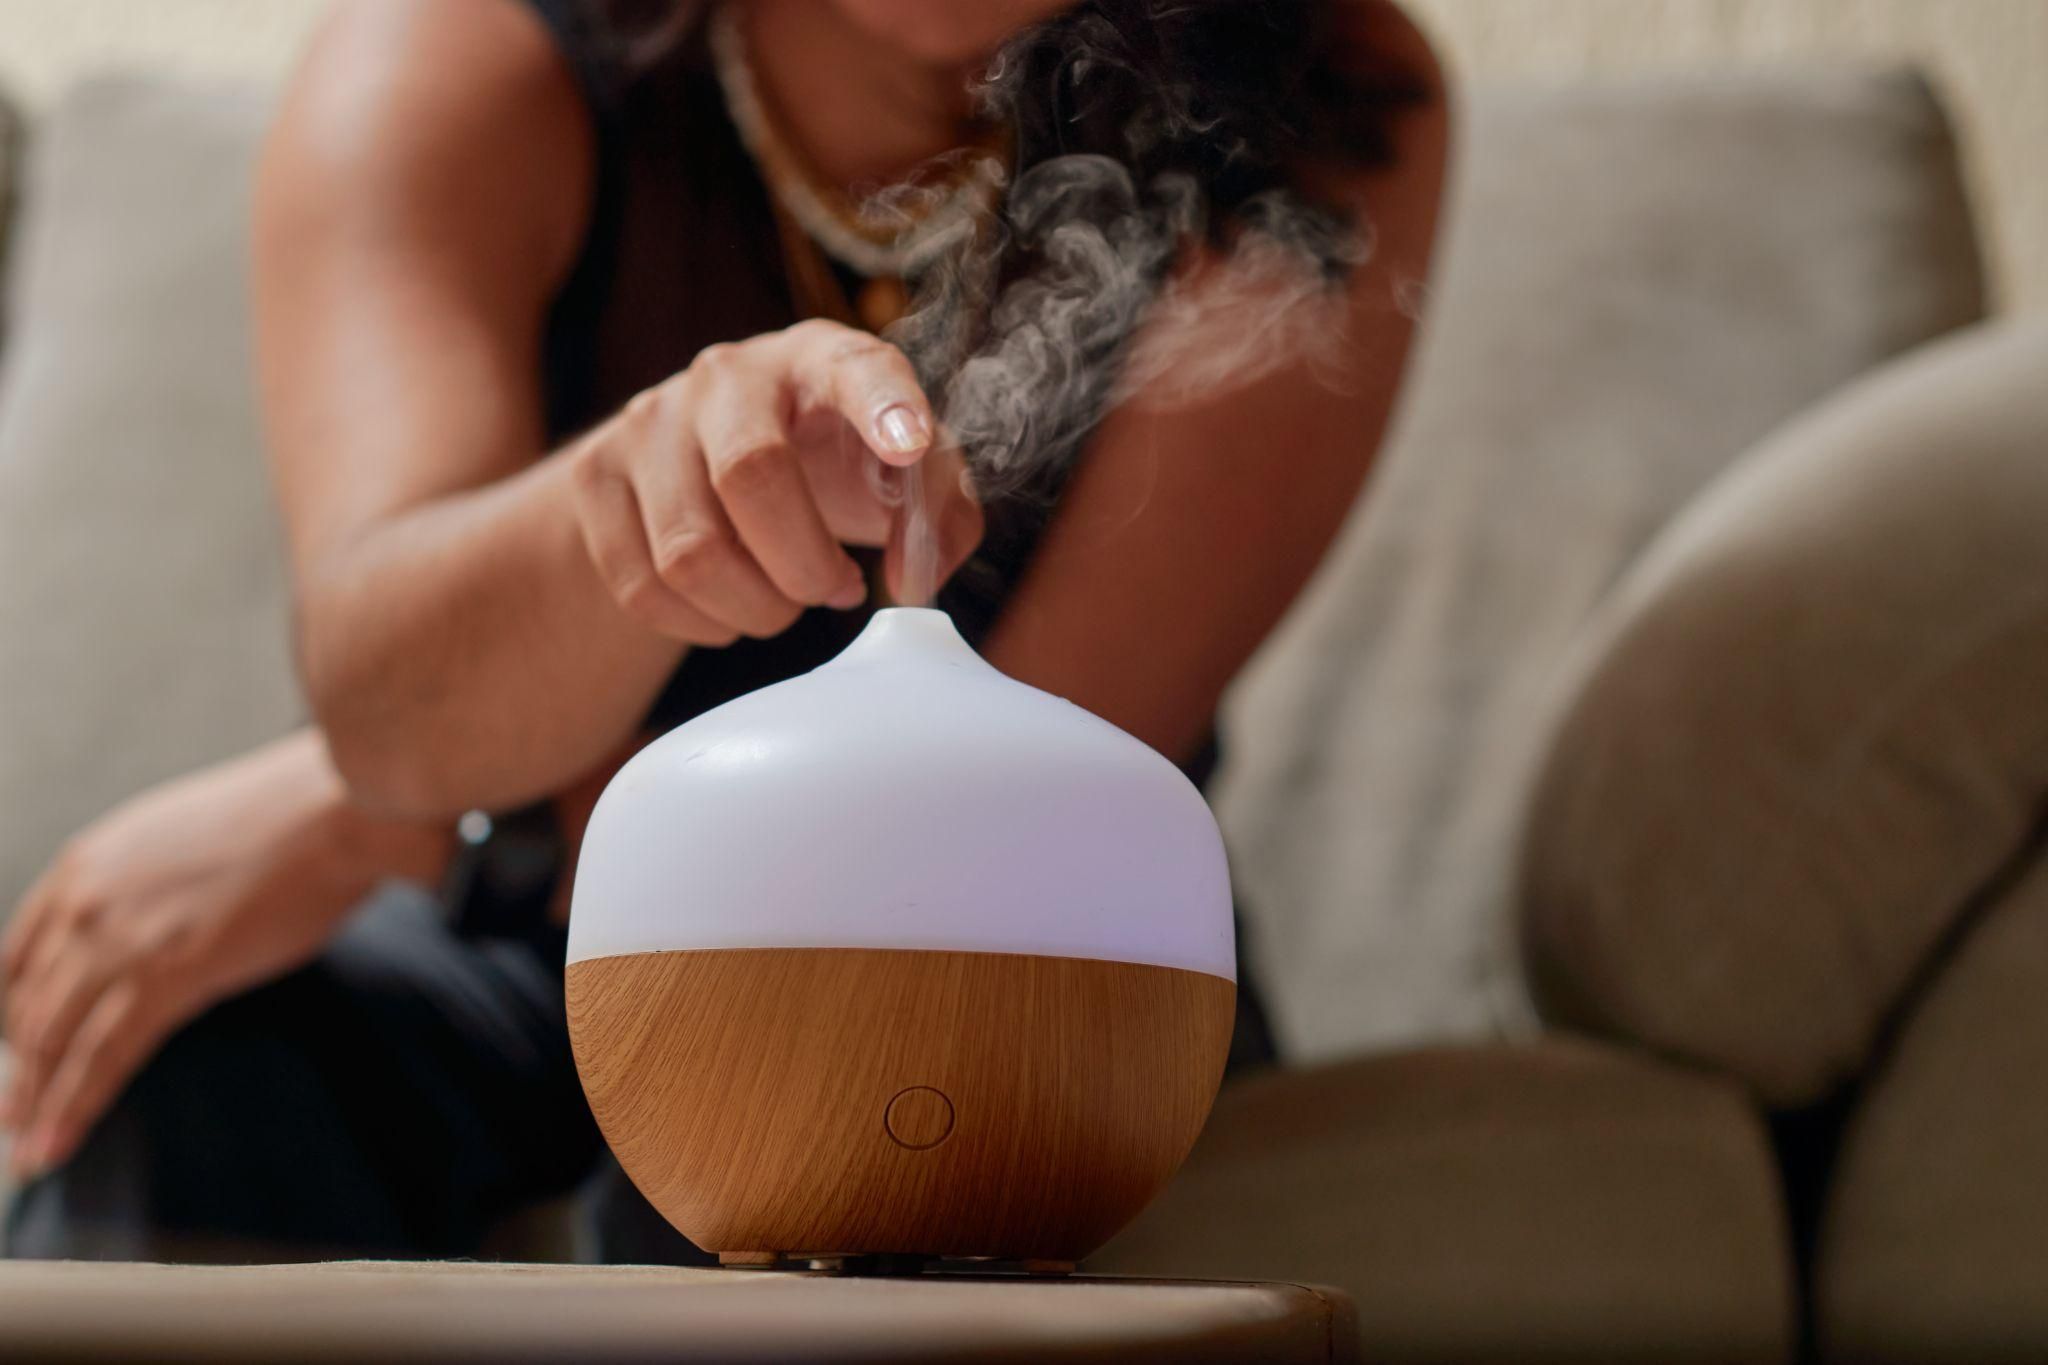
x=919, y=1117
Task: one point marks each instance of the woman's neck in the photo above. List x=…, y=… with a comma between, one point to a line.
x=861, y=112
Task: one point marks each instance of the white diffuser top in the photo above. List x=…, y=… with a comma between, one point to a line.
x=905, y=795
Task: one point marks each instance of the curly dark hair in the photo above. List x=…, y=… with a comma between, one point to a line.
x=1238, y=95
x=1138, y=125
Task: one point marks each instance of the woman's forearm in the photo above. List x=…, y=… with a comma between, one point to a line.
x=465, y=652
x=349, y=850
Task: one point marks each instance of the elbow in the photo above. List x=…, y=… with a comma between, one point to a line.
x=384, y=749
x=408, y=748
x=385, y=779
x=387, y=773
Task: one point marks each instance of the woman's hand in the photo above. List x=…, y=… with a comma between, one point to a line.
x=718, y=503
x=423, y=195
x=189, y=893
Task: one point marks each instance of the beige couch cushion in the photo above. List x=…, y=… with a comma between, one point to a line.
x=1935, y=1243
x=142, y=602
x=1638, y=281
x=1556, y=1202
x=1815, y=727
x=10, y=169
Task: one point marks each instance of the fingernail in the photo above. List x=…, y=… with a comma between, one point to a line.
x=904, y=430
x=848, y=597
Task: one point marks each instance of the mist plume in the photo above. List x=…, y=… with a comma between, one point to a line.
x=1155, y=246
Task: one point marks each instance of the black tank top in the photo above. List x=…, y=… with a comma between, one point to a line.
x=681, y=252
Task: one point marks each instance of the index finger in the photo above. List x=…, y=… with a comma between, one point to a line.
x=765, y=495
x=110, y=1046
x=28, y=923
x=874, y=387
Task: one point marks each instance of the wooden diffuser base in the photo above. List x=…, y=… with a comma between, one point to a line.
x=858, y=1101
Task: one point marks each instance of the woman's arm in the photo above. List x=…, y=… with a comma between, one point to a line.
x=1185, y=533
x=180, y=897
x=481, y=621
x=421, y=195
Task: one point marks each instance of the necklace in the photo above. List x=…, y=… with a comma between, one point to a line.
x=815, y=216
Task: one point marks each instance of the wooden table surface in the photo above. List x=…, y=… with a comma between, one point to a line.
x=441, y=1311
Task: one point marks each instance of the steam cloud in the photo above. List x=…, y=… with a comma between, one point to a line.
x=1098, y=317
x=1079, y=296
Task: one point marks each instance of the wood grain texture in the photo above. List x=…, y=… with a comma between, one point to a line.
x=748, y=1093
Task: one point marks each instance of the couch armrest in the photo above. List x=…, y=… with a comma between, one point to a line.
x=1810, y=728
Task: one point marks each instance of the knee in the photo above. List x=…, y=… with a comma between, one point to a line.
x=115, y=1196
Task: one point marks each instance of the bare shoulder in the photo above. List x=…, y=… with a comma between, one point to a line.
x=1381, y=36
x=435, y=114
x=1401, y=199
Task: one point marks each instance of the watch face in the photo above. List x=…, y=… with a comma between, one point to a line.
x=504, y=873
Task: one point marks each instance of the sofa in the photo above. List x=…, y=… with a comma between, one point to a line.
x=1637, y=820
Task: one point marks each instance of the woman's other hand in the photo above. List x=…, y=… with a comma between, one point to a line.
x=718, y=503
x=180, y=897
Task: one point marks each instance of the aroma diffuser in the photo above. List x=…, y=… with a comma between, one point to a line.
x=900, y=957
